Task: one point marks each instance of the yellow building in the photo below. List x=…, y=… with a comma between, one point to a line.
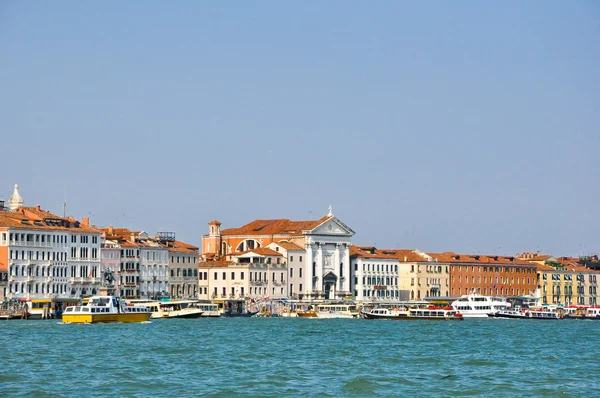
x=564, y=280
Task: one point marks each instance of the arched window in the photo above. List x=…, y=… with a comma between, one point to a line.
x=184, y=272
x=172, y=273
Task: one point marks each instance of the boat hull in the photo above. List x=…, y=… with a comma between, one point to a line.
x=184, y=314
x=404, y=317
x=106, y=318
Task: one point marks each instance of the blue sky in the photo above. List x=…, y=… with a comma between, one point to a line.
x=443, y=126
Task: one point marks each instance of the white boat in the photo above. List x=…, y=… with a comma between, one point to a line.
x=477, y=306
x=209, y=310
x=171, y=308
x=329, y=311
x=408, y=314
x=528, y=314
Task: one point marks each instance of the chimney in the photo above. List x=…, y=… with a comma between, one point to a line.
x=85, y=221
x=538, y=252
x=1, y=204
x=132, y=238
x=111, y=230
x=37, y=208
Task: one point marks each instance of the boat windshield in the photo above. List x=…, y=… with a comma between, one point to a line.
x=99, y=302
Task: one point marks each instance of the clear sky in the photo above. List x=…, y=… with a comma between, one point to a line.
x=444, y=126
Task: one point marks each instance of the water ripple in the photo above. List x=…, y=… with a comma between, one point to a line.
x=299, y=358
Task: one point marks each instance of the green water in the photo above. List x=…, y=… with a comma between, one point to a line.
x=271, y=357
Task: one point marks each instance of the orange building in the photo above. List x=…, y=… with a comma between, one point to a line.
x=488, y=275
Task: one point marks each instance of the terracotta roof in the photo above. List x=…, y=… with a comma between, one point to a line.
x=406, y=255
x=178, y=246
x=275, y=227
x=571, y=267
x=287, y=245
x=215, y=263
x=451, y=257
x=261, y=251
x=25, y=219
x=543, y=257
x=368, y=252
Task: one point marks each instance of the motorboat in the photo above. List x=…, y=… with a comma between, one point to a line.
x=330, y=311
x=528, y=314
x=101, y=309
x=171, y=308
x=405, y=313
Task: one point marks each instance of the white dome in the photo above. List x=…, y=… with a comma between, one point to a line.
x=15, y=200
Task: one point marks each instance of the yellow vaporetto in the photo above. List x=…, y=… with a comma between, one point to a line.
x=101, y=309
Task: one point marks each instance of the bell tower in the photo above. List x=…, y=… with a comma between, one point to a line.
x=212, y=243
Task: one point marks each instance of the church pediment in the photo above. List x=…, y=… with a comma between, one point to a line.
x=332, y=226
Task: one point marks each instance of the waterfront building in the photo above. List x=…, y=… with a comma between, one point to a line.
x=376, y=275
x=428, y=277
x=292, y=283
x=154, y=266
x=47, y=256
x=326, y=245
x=182, y=266
x=128, y=280
x=110, y=253
x=488, y=274
x=397, y=275
x=258, y=273
x=564, y=280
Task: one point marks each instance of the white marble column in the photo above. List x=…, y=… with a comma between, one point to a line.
x=336, y=268
x=308, y=274
x=347, y=270
x=319, y=267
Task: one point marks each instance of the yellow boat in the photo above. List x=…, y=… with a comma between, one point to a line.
x=101, y=309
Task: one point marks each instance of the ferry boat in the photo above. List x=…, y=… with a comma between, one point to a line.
x=527, y=314
x=592, y=313
x=329, y=311
x=430, y=313
x=209, y=310
x=171, y=308
x=477, y=306
x=236, y=308
x=101, y=309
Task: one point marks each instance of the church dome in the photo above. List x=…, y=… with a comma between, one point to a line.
x=15, y=200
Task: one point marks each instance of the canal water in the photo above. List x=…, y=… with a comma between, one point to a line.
x=275, y=357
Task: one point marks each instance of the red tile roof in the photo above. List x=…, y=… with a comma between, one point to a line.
x=33, y=218
x=215, y=263
x=287, y=245
x=275, y=227
x=261, y=251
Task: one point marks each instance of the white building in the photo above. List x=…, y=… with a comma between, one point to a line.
x=259, y=273
x=325, y=244
x=47, y=256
